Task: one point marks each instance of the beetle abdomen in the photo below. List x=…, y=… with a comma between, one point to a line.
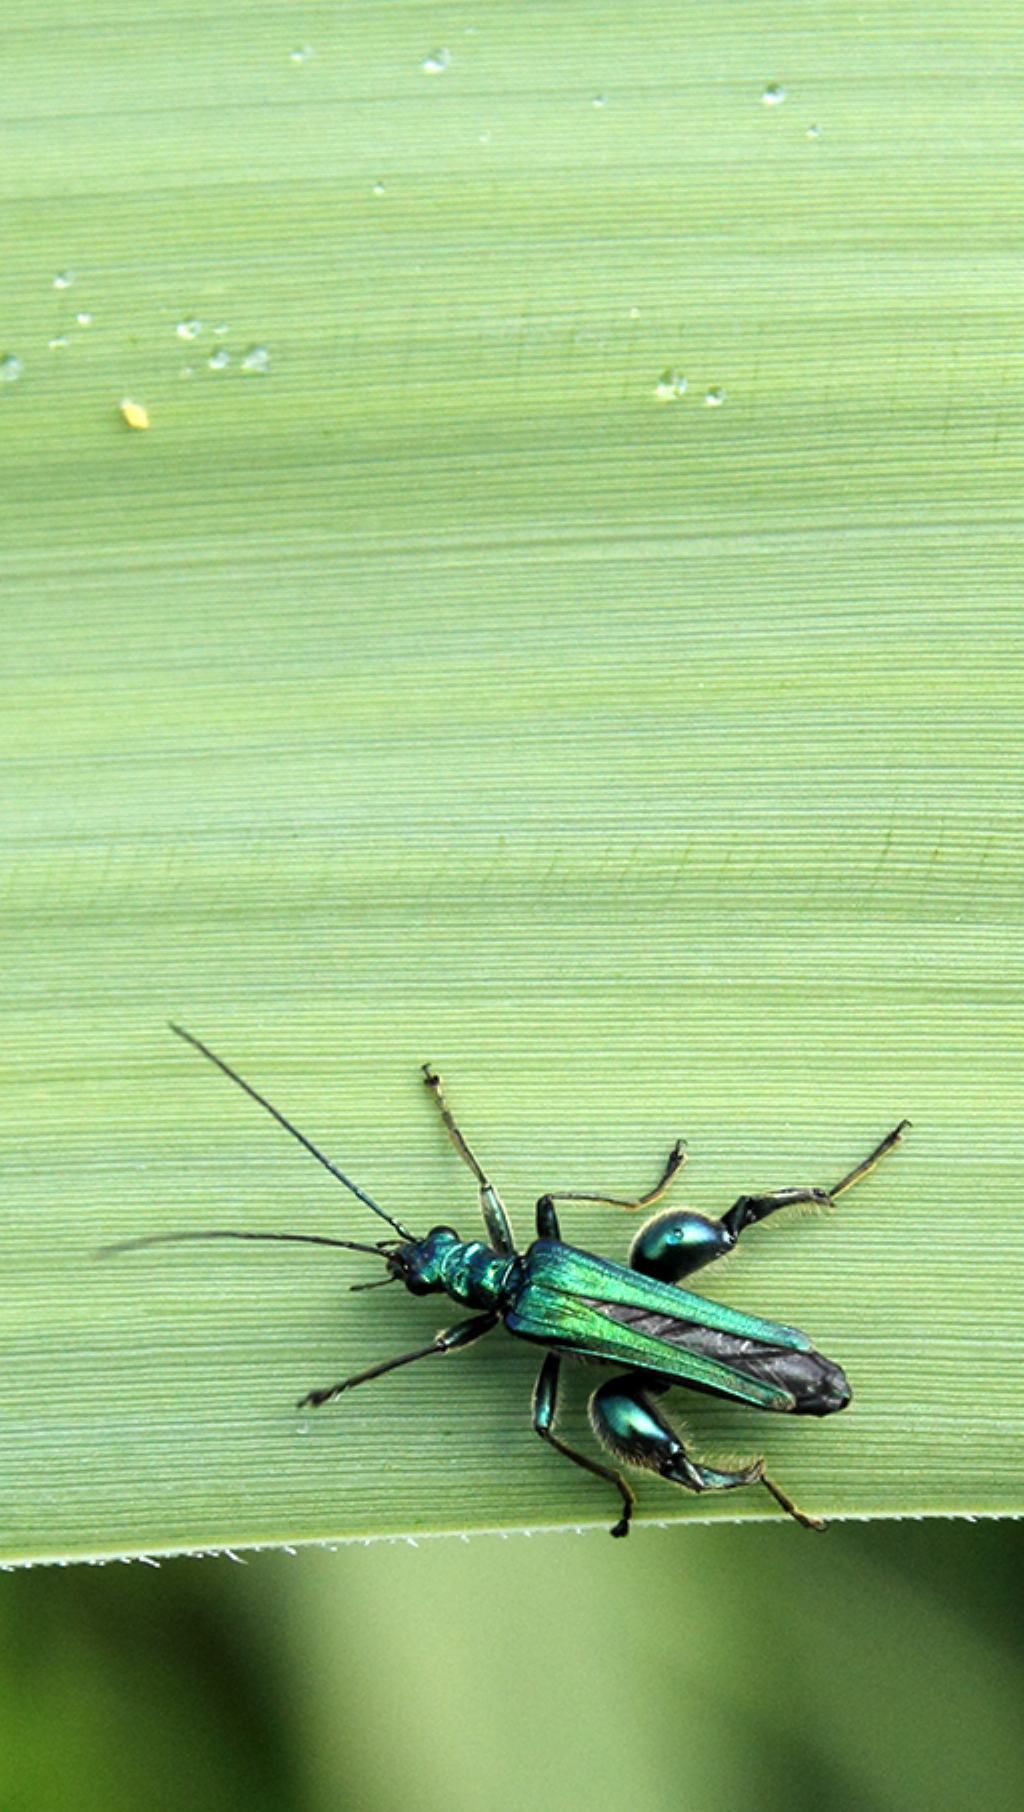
x=817, y=1385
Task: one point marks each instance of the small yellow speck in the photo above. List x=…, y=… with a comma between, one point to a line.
x=135, y=415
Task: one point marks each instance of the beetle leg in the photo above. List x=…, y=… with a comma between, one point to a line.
x=545, y=1403
x=673, y=1165
x=547, y=1219
x=492, y=1207
x=867, y=1164
x=749, y=1209
x=462, y=1334
x=677, y=1243
x=627, y=1422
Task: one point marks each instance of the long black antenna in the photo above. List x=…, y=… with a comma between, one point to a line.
x=368, y=1200
x=305, y=1239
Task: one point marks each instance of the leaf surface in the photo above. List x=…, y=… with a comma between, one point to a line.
x=431, y=686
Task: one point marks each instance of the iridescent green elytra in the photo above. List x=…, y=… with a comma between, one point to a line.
x=634, y=1318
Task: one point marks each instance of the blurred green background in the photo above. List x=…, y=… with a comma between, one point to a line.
x=871, y=1668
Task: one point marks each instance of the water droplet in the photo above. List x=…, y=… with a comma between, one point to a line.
x=485, y=138
x=813, y=132
x=669, y=386
x=84, y=318
x=134, y=415
x=187, y=371
x=11, y=368
x=256, y=359
x=302, y=53
x=715, y=397
x=437, y=62
x=773, y=95
x=599, y=100
x=63, y=279
x=379, y=189
x=190, y=328
x=59, y=340
x=219, y=360
x=634, y=314
x=220, y=330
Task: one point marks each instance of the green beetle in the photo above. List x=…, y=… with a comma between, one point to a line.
x=634, y=1318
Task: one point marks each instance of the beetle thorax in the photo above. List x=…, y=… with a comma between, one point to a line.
x=468, y=1271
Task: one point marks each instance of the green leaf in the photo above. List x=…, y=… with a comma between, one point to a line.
x=433, y=688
